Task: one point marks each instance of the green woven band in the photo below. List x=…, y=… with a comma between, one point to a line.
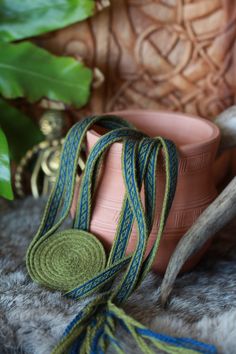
x=74, y=261
x=68, y=258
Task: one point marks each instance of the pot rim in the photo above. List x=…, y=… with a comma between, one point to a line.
x=214, y=137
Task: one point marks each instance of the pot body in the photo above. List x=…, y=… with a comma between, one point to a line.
x=197, y=142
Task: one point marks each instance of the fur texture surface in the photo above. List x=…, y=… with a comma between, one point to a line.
x=32, y=318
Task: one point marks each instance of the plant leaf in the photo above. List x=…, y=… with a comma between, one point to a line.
x=21, y=132
x=5, y=174
x=26, y=18
x=29, y=71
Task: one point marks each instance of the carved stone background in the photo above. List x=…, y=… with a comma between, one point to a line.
x=157, y=54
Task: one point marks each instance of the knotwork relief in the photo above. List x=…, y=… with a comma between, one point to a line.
x=177, y=55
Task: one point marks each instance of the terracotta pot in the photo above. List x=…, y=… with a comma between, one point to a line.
x=221, y=170
x=197, y=141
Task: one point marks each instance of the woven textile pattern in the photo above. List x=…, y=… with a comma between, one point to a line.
x=65, y=259
x=202, y=305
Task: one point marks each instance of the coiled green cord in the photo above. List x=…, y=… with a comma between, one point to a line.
x=74, y=261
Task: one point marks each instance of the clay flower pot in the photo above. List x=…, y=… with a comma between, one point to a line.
x=197, y=141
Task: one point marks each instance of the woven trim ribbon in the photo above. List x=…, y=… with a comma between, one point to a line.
x=75, y=262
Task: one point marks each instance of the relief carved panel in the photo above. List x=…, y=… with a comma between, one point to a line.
x=157, y=54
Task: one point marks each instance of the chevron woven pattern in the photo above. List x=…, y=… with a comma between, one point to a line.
x=74, y=261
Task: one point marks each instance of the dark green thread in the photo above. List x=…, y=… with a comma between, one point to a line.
x=74, y=261
x=68, y=258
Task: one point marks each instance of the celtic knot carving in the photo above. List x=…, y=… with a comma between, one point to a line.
x=158, y=54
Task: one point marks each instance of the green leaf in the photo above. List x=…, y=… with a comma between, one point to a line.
x=5, y=172
x=21, y=132
x=29, y=71
x=26, y=18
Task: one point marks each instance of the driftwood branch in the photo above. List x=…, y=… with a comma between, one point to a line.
x=216, y=216
x=226, y=121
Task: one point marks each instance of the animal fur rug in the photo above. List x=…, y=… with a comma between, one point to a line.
x=32, y=319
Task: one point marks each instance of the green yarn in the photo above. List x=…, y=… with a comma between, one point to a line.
x=67, y=258
x=131, y=324
x=74, y=261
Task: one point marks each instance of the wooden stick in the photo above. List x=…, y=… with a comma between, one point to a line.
x=226, y=121
x=216, y=216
